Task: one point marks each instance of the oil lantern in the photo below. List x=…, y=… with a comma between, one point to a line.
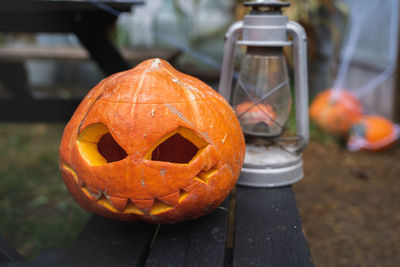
x=262, y=97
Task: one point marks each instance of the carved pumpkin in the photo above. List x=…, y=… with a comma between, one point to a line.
x=335, y=111
x=373, y=133
x=152, y=144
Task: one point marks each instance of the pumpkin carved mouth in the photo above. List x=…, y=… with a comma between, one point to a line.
x=139, y=207
x=181, y=146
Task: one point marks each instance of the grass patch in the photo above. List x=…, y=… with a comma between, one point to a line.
x=316, y=133
x=37, y=210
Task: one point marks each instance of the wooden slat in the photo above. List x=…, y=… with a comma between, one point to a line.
x=20, y=53
x=8, y=253
x=199, y=242
x=32, y=6
x=268, y=230
x=109, y=242
x=49, y=110
x=101, y=49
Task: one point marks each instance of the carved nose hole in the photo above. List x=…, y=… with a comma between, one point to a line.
x=110, y=149
x=175, y=149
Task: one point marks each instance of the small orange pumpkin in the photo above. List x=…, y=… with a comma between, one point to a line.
x=251, y=113
x=152, y=144
x=372, y=133
x=335, y=111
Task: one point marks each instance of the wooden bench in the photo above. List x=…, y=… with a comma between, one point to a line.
x=89, y=20
x=253, y=227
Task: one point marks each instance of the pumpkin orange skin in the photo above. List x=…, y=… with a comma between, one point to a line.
x=335, y=114
x=376, y=132
x=140, y=107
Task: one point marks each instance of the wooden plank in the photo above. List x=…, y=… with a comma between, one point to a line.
x=29, y=22
x=268, y=230
x=35, y=264
x=96, y=40
x=20, y=53
x=26, y=52
x=8, y=253
x=49, y=110
x=57, y=16
x=32, y=6
x=109, y=242
x=13, y=75
x=199, y=242
x=62, y=21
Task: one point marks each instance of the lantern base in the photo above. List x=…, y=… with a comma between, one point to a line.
x=270, y=166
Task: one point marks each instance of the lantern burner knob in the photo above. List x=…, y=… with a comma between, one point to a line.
x=266, y=6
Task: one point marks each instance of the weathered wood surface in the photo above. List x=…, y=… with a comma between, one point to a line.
x=8, y=253
x=106, y=241
x=266, y=227
x=21, y=53
x=268, y=230
x=199, y=242
x=49, y=110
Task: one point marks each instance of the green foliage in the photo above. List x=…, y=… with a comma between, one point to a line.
x=37, y=210
x=316, y=133
x=121, y=36
x=319, y=135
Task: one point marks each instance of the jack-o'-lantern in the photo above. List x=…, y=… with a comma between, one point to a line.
x=373, y=133
x=152, y=144
x=335, y=111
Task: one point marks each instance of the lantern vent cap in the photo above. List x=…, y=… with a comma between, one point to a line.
x=266, y=6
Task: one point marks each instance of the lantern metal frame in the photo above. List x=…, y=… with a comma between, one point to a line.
x=271, y=29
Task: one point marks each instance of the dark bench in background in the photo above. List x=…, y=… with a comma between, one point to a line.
x=86, y=19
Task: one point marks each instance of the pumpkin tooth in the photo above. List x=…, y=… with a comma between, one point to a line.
x=131, y=208
x=182, y=195
x=159, y=207
x=81, y=183
x=144, y=205
x=95, y=194
x=171, y=199
x=117, y=202
x=188, y=188
x=199, y=180
x=205, y=175
x=69, y=169
x=92, y=196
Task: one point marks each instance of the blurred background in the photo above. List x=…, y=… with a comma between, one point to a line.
x=349, y=200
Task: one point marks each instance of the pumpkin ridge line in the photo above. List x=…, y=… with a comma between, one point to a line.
x=87, y=112
x=103, y=89
x=147, y=103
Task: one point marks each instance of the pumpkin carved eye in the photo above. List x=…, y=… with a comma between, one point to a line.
x=179, y=146
x=97, y=146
